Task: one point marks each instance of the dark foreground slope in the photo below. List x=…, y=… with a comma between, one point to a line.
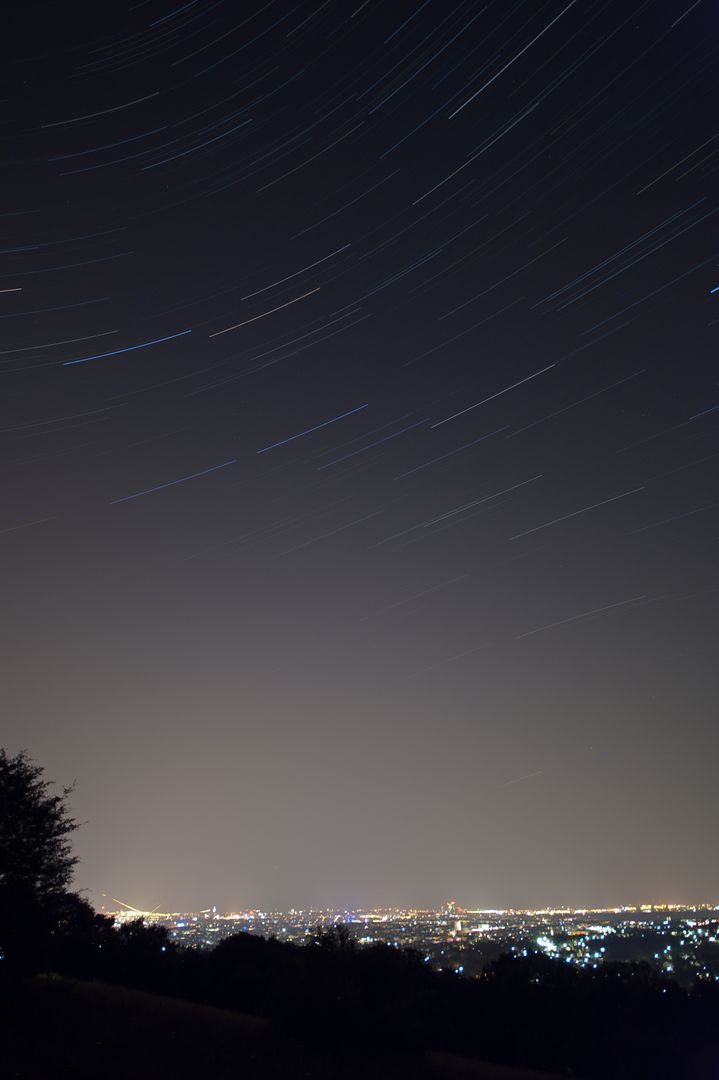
x=65, y=1029
x=128, y=1002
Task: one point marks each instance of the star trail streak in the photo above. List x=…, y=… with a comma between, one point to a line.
x=499, y=393
x=173, y=483
x=513, y=60
x=576, y=513
x=377, y=442
x=127, y=349
x=308, y=431
x=254, y=318
x=582, y=615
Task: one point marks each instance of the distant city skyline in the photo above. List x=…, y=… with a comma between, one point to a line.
x=679, y=941
x=447, y=908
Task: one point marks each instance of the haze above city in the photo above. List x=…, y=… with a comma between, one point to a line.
x=359, y=449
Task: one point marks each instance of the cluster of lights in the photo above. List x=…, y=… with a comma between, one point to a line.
x=458, y=939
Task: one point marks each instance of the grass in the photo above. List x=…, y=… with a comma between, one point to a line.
x=62, y=1029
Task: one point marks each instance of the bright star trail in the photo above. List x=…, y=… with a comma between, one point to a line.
x=130, y=348
x=393, y=480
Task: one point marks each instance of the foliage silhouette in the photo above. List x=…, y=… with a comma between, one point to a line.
x=36, y=859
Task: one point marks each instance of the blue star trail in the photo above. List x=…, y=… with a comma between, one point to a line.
x=172, y=483
x=310, y=430
x=127, y=349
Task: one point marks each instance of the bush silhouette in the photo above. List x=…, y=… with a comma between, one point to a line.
x=36, y=859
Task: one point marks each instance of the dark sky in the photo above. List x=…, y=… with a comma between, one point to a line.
x=360, y=425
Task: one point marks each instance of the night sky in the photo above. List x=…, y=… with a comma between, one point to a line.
x=360, y=446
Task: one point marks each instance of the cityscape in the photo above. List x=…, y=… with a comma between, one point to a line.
x=677, y=941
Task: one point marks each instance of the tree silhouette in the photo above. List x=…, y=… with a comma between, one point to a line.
x=336, y=939
x=36, y=859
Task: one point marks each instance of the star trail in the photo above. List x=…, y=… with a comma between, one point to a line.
x=359, y=445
